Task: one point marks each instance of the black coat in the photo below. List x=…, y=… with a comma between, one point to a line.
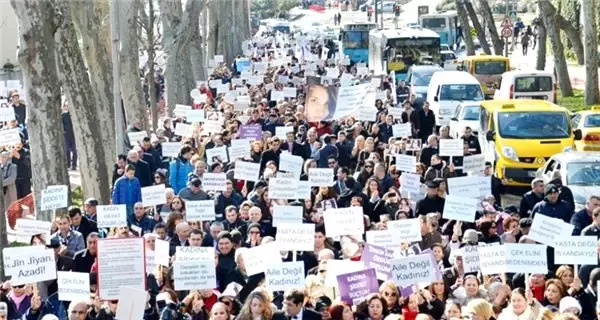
x=428, y=205
x=297, y=149
x=427, y=122
x=426, y=154
x=86, y=227
x=83, y=261
x=142, y=172
x=23, y=164
x=269, y=155
x=307, y=314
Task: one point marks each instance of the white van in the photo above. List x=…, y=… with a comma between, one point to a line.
x=448, y=89
x=537, y=85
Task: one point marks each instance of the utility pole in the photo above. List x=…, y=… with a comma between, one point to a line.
x=505, y=39
x=376, y=11
x=116, y=46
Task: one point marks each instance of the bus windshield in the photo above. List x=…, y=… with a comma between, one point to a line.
x=405, y=53
x=533, y=125
x=355, y=39
x=461, y=92
x=434, y=23
x=490, y=67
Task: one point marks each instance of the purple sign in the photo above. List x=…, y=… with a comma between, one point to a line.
x=356, y=286
x=252, y=131
x=378, y=258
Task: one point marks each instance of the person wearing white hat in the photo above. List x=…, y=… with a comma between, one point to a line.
x=570, y=305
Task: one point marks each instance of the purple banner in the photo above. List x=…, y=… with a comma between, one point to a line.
x=378, y=258
x=252, y=131
x=356, y=286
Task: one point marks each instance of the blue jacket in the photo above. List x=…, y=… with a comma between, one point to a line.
x=559, y=210
x=324, y=153
x=179, y=169
x=580, y=220
x=127, y=191
x=146, y=224
x=51, y=306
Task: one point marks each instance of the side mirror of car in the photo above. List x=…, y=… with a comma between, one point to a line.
x=454, y=119
x=577, y=133
x=435, y=99
x=490, y=136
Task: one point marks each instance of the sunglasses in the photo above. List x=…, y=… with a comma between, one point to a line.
x=19, y=286
x=390, y=294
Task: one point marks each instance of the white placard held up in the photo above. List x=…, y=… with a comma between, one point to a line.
x=295, y=236
x=402, y=130
x=344, y=221
x=170, y=149
x=9, y=137
x=132, y=303
x=582, y=250
x=194, y=254
x=195, y=115
x=9, y=254
x=408, y=230
x=547, y=230
x=136, y=137
x=492, y=259
x=239, y=151
x=460, y=208
x=121, y=262
x=412, y=270
x=73, y=286
x=217, y=154
x=248, y=171
x=474, y=164
x=304, y=190
x=154, y=195
x=289, y=92
x=287, y=214
x=366, y=114
x=410, y=182
x=451, y=147
x=55, y=197
x=182, y=129
x=526, y=258
x=7, y=114
x=285, y=275
x=200, y=210
x=320, y=177
x=161, y=252
x=290, y=163
x=472, y=187
x=258, y=259
x=26, y=228
x=406, y=163
x=470, y=259
x=282, y=131
x=194, y=275
x=32, y=267
x=110, y=216
x=382, y=238
x=214, y=181
x=283, y=188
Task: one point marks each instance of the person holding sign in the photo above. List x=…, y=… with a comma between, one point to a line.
x=439, y=169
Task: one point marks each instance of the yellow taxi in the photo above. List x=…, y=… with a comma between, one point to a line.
x=521, y=135
x=588, y=122
x=487, y=69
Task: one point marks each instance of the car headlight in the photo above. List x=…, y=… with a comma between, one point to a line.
x=567, y=149
x=510, y=153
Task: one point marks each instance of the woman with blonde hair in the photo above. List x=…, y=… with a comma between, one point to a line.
x=480, y=309
x=219, y=311
x=389, y=291
x=359, y=144
x=257, y=307
x=523, y=306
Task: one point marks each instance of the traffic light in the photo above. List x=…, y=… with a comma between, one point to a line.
x=397, y=10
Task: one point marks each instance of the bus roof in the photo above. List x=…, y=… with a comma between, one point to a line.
x=404, y=33
x=451, y=13
x=359, y=26
x=521, y=105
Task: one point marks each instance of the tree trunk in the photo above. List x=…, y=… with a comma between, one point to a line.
x=540, y=63
x=466, y=29
x=37, y=58
x=93, y=26
x=560, y=62
x=480, y=31
x=590, y=27
x=151, y=23
x=198, y=50
x=131, y=84
x=573, y=34
x=222, y=15
x=214, y=42
x=77, y=86
x=178, y=26
x=497, y=42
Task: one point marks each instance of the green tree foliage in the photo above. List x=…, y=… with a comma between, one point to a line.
x=267, y=9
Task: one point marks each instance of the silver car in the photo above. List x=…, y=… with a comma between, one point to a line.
x=418, y=79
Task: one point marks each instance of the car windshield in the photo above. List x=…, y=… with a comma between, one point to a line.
x=583, y=173
x=434, y=23
x=490, y=67
x=422, y=78
x=533, y=125
x=471, y=113
x=355, y=39
x=533, y=84
x=592, y=121
x=461, y=92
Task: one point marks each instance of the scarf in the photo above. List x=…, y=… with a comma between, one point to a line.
x=538, y=292
x=17, y=299
x=409, y=314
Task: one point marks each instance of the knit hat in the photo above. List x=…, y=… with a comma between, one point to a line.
x=550, y=188
x=569, y=303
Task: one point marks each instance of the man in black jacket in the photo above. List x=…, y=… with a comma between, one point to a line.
x=142, y=168
x=429, y=150
x=70, y=147
x=432, y=202
x=21, y=157
x=427, y=122
x=564, y=192
x=271, y=154
x=291, y=146
x=81, y=223
x=531, y=198
x=293, y=307
x=84, y=259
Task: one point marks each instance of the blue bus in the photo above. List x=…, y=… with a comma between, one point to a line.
x=445, y=24
x=398, y=49
x=355, y=41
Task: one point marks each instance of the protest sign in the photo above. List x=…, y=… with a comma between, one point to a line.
x=195, y=115
x=282, y=131
x=150, y=260
x=8, y=114
x=110, y=216
x=200, y=210
x=368, y=113
x=325, y=102
x=296, y=236
x=320, y=177
x=492, y=259
x=182, y=129
x=194, y=254
x=378, y=258
x=460, y=208
x=526, y=258
x=217, y=154
x=290, y=163
x=238, y=151
x=170, y=149
x=408, y=230
x=9, y=253
x=304, y=190
x=26, y=228
x=73, y=286
x=287, y=214
x=384, y=238
x=337, y=267
x=402, y=130
x=285, y=275
x=451, y=147
x=289, y=92
x=212, y=126
x=413, y=270
x=214, y=181
x=344, y=221
x=547, y=230
x=121, y=262
x=356, y=286
x=9, y=137
x=181, y=110
x=161, y=252
x=472, y=187
x=33, y=266
x=470, y=258
x=154, y=195
x=283, y=188
x=251, y=131
x=241, y=142
x=406, y=163
x=132, y=303
x=581, y=250
x=136, y=137
x=257, y=259
x=410, y=182
x=195, y=275
x=248, y=171
x=55, y=197
x=474, y=164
